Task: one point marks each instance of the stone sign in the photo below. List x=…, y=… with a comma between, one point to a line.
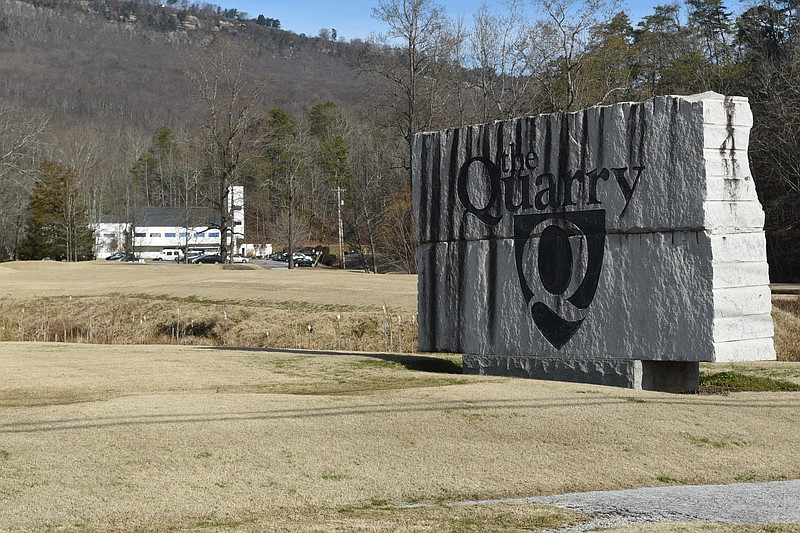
x=617, y=245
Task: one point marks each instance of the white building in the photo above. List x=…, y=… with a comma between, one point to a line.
x=149, y=230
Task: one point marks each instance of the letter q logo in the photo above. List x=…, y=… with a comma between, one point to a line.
x=563, y=254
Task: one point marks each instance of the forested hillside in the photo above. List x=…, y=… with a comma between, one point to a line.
x=150, y=104
x=91, y=89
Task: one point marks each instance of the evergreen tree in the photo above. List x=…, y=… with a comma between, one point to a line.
x=767, y=38
x=712, y=22
x=610, y=63
x=58, y=220
x=287, y=164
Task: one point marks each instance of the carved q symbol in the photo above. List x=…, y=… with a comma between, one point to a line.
x=563, y=254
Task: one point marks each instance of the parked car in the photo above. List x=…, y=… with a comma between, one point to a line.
x=301, y=259
x=116, y=257
x=194, y=258
x=239, y=258
x=130, y=257
x=208, y=258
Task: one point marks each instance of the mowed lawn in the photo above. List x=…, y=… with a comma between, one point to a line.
x=176, y=438
x=231, y=283
x=126, y=438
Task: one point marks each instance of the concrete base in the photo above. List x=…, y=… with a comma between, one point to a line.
x=666, y=376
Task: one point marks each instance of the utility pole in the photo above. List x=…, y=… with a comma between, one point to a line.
x=339, y=192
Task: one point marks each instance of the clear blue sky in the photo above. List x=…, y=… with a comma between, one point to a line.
x=353, y=18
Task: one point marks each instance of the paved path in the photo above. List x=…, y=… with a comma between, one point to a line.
x=742, y=503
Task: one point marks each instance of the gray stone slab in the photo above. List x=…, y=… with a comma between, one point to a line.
x=630, y=232
x=667, y=376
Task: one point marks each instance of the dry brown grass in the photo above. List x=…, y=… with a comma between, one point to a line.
x=148, y=319
x=178, y=438
x=247, y=306
x=786, y=316
x=246, y=283
x=116, y=303
x=186, y=438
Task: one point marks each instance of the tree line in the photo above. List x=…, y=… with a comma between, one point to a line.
x=441, y=72
x=430, y=71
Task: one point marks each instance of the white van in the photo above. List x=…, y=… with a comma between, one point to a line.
x=170, y=254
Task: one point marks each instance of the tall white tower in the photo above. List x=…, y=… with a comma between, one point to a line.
x=236, y=210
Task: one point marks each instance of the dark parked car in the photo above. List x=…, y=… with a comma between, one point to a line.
x=302, y=260
x=130, y=257
x=209, y=258
x=116, y=257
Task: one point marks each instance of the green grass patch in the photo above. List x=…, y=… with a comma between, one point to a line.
x=714, y=443
x=376, y=363
x=374, y=503
x=736, y=382
x=378, y=503
x=5, y=455
x=633, y=399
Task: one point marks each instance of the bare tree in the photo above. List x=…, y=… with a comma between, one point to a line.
x=81, y=149
x=769, y=36
x=367, y=202
x=413, y=60
x=567, y=31
x=418, y=31
x=230, y=100
x=20, y=142
x=500, y=55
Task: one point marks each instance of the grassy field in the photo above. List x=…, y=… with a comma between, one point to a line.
x=180, y=437
x=177, y=438
x=234, y=305
x=230, y=305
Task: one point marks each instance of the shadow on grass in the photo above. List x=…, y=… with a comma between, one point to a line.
x=419, y=363
x=428, y=364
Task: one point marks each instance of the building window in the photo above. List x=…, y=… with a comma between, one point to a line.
x=214, y=234
x=169, y=235
x=201, y=235
x=183, y=235
x=140, y=234
x=155, y=235
x=108, y=235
